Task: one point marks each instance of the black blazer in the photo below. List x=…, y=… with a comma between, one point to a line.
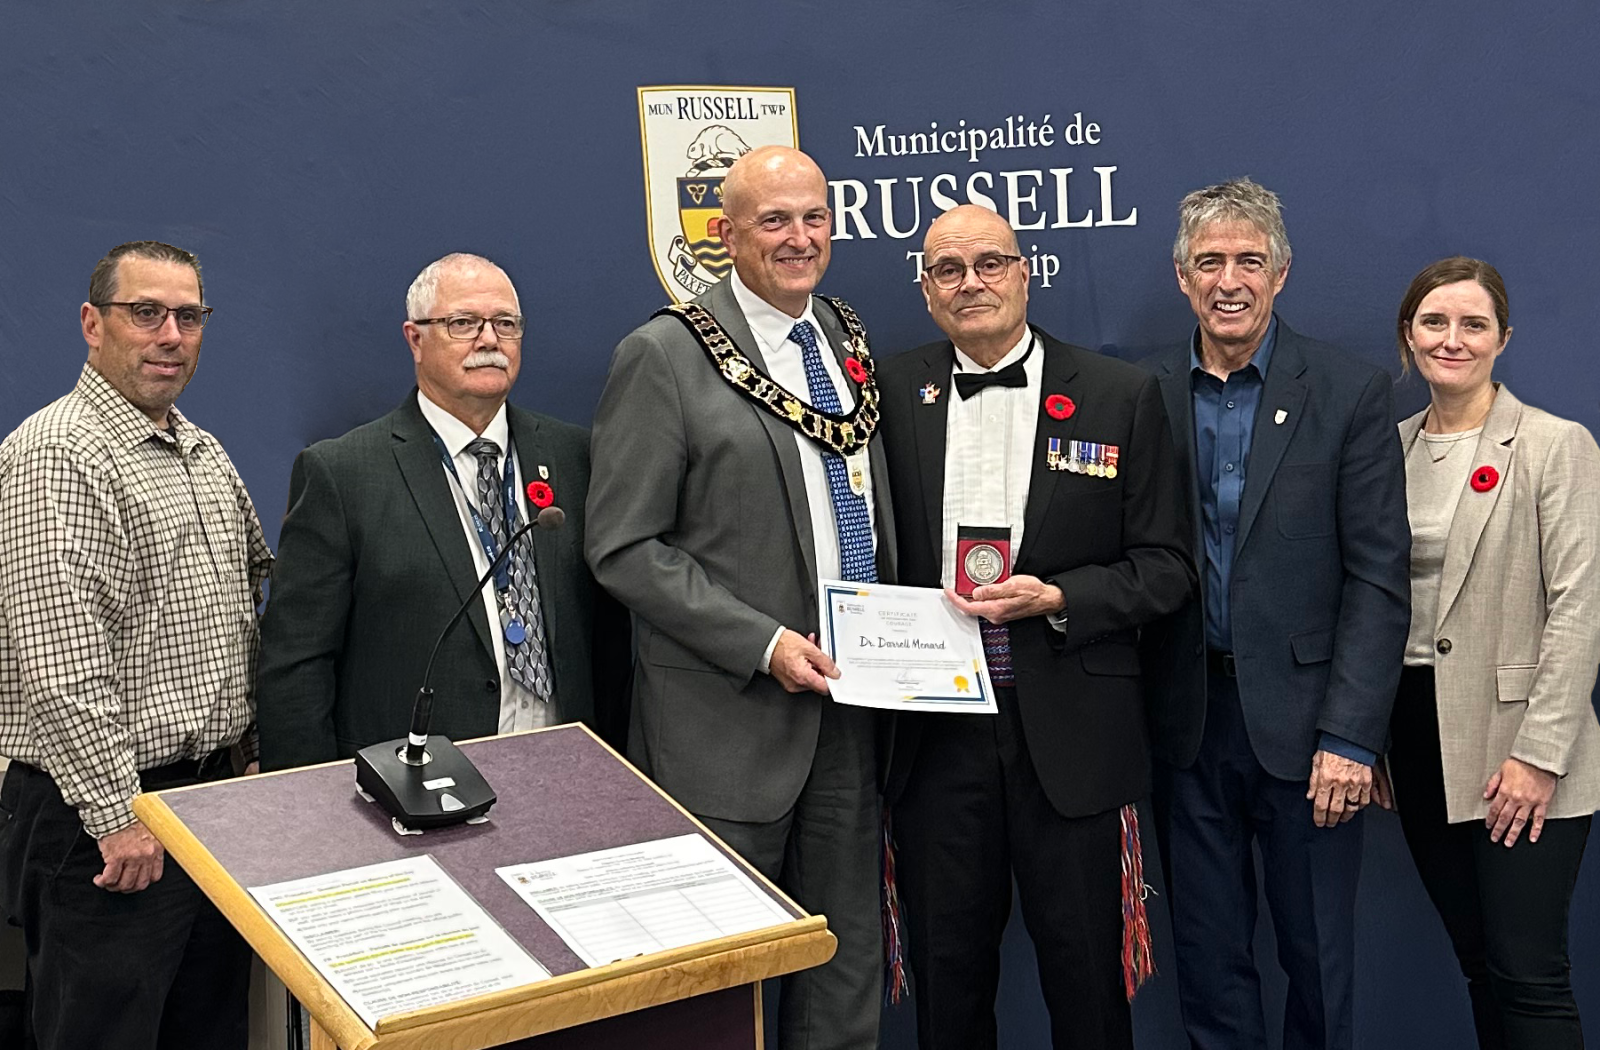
x=1119, y=549
x=1321, y=592
x=372, y=561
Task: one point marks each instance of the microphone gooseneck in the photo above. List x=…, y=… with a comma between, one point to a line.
x=422, y=709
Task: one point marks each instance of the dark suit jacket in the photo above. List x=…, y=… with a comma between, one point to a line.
x=372, y=561
x=700, y=524
x=1321, y=592
x=1119, y=549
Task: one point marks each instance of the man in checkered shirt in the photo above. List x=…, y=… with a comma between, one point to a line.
x=131, y=564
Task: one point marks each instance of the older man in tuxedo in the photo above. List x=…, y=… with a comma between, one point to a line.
x=1062, y=457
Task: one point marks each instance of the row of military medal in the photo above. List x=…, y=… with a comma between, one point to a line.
x=1084, y=457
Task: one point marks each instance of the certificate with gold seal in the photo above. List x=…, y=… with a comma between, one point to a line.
x=903, y=648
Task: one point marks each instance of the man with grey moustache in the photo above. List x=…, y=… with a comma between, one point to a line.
x=390, y=526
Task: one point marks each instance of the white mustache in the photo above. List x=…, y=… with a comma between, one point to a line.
x=487, y=359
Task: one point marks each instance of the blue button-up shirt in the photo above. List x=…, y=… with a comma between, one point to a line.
x=1224, y=427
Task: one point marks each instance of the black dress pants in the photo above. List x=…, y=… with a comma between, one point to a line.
x=1505, y=909
x=972, y=817
x=155, y=970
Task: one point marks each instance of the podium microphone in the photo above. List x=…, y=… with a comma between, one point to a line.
x=424, y=781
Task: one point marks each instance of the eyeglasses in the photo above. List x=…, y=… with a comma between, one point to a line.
x=154, y=315
x=467, y=326
x=950, y=273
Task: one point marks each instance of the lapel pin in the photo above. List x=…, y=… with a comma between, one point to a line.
x=1059, y=406
x=544, y=472
x=930, y=394
x=1280, y=415
x=1485, y=478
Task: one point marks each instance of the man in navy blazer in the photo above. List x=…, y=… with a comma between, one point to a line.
x=1275, y=684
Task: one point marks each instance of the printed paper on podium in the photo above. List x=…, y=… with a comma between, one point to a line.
x=637, y=900
x=397, y=936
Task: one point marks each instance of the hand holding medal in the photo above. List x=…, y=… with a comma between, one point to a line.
x=1014, y=598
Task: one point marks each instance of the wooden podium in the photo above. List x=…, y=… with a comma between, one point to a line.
x=561, y=792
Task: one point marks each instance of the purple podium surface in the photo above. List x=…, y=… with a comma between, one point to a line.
x=561, y=792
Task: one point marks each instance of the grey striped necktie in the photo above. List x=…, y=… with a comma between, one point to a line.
x=528, y=661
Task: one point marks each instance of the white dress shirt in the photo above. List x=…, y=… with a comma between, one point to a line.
x=988, y=453
x=786, y=365
x=519, y=708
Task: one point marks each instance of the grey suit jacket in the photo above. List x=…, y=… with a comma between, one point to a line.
x=373, y=562
x=699, y=523
x=1519, y=603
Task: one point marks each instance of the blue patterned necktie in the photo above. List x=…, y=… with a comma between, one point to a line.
x=526, y=660
x=857, y=563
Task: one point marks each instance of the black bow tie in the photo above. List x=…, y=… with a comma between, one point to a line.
x=969, y=383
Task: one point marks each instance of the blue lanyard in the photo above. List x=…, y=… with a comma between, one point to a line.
x=491, y=549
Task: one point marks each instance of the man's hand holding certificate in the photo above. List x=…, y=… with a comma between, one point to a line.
x=903, y=648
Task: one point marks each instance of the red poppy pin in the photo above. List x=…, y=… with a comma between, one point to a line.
x=855, y=369
x=540, y=494
x=1485, y=478
x=1059, y=406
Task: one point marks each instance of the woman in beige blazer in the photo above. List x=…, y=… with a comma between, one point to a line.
x=1495, y=761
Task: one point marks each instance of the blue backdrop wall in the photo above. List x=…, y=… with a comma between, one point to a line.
x=316, y=155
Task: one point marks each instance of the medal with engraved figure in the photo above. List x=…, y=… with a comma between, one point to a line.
x=983, y=564
x=983, y=556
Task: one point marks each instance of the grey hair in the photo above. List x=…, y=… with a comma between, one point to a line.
x=1237, y=200
x=424, y=290
x=103, y=280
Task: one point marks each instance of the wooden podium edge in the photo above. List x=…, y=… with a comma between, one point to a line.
x=254, y=925
x=712, y=953
x=488, y=1021
x=571, y=998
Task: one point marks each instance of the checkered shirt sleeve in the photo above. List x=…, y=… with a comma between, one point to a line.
x=131, y=566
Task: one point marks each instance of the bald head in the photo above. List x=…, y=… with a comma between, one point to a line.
x=763, y=169
x=975, y=282
x=967, y=220
x=776, y=225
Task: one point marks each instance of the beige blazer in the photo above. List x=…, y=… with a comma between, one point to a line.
x=1517, y=636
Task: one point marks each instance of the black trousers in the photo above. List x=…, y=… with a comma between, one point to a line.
x=155, y=970
x=972, y=817
x=1505, y=909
